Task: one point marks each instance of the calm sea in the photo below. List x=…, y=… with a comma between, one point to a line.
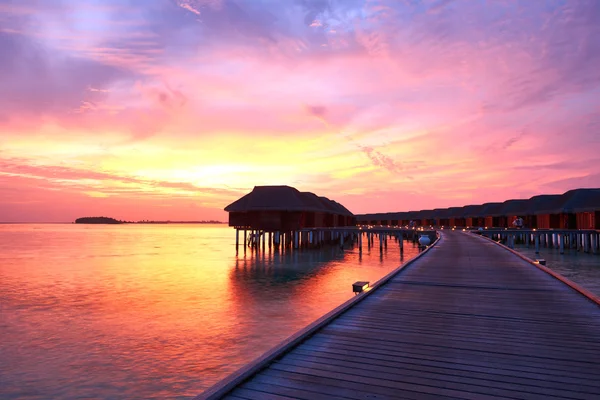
x=154, y=311
x=579, y=267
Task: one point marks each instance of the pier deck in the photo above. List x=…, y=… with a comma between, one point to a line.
x=468, y=320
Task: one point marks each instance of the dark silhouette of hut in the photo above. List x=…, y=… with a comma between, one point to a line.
x=438, y=216
x=575, y=209
x=425, y=217
x=513, y=209
x=284, y=208
x=472, y=215
x=454, y=215
x=539, y=212
x=490, y=212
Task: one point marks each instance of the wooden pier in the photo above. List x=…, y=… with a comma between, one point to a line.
x=307, y=238
x=586, y=240
x=468, y=319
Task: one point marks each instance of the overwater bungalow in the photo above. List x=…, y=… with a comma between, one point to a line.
x=575, y=209
x=284, y=208
x=538, y=210
x=455, y=216
x=490, y=212
x=472, y=215
x=513, y=209
x=425, y=217
x=438, y=216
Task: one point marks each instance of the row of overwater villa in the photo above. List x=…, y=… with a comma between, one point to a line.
x=575, y=209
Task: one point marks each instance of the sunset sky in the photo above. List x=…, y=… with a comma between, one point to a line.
x=172, y=109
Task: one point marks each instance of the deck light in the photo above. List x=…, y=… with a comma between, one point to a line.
x=360, y=286
x=540, y=261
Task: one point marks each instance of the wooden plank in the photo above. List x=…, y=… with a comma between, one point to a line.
x=515, y=383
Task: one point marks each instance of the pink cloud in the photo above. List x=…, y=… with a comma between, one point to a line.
x=422, y=99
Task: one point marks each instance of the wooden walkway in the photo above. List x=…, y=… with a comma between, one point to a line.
x=468, y=320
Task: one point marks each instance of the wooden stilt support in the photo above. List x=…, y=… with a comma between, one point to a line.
x=562, y=243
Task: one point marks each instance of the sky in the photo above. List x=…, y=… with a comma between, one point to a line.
x=172, y=109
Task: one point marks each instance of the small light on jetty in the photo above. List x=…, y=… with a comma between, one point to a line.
x=464, y=229
x=540, y=261
x=360, y=286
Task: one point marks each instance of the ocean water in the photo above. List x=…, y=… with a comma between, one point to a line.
x=155, y=311
x=577, y=266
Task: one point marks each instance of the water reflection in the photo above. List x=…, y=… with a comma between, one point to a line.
x=141, y=311
x=582, y=268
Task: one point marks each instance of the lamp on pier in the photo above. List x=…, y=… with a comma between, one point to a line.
x=360, y=286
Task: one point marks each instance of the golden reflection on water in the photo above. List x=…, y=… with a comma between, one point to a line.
x=136, y=311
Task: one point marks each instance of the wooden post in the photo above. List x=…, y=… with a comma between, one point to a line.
x=263, y=234
x=296, y=239
x=237, y=240
x=586, y=242
x=360, y=243
x=594, y=242
x=245, y=240
x=381, y=243
x=562, y=243
x=537, y=243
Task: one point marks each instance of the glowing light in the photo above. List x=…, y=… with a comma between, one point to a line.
x=360, y=286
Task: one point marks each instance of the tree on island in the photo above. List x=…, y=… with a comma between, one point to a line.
x=98, y=220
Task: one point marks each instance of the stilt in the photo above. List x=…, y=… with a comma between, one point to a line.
x=360, y=243
x=537, y=244
x=562, y=243
x=237, y=240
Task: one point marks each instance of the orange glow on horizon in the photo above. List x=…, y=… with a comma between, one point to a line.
x=178, y=125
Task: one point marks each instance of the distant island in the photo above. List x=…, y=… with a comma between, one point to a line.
x=108, y=220
x=98, y=220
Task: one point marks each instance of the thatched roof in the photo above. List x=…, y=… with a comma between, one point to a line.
x=472, y=211
x=573, y=201
x=491, y=210
x=515, y=207
x=425, y=214
x=454, y=212
x=284, y=198
x=343, y=210
x=542, y=203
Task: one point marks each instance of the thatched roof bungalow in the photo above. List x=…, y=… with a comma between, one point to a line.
x=575, y=209
x=284, y=208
